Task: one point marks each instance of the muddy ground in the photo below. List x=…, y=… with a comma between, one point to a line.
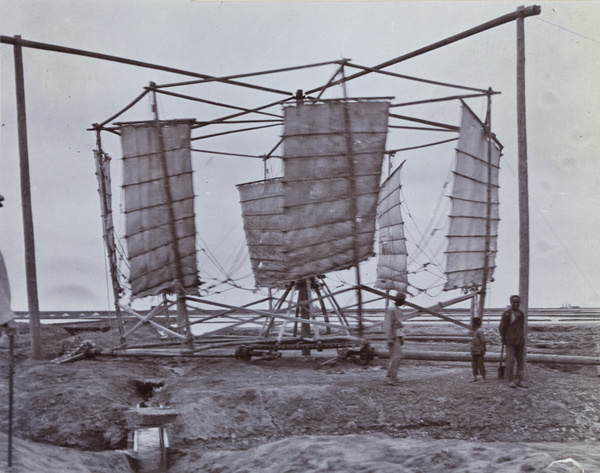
x=301, y=414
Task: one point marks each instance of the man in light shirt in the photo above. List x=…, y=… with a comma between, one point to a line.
x=393, y=329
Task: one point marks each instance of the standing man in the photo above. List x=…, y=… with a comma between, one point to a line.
x=512, y=331
x=392, y=327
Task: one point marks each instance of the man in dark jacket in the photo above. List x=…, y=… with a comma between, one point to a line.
x=512, y=331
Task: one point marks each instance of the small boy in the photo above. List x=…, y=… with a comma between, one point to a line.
x=477, y=350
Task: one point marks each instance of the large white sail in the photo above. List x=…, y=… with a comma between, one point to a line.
x=333, y=152
x=392, y=259
x=159, y=207
x=262, y=213
x=476, y=171
x=333, y=155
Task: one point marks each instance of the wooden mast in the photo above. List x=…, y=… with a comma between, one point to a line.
x=182, y=316
x=522, y=171
x=353, y=204
x=112, y=259
x=30, y=268
x=488, y=211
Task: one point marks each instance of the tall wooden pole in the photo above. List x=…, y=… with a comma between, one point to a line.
x=107, y=227
x=30, y=270
x=488, y=212
x=522, y=172
x=353, y=205
x=182, y=314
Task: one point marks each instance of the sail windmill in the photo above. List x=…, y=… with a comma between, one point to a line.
x=320, y=216
x=181, y=278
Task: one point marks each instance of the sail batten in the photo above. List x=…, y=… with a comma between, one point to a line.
x=473, y=231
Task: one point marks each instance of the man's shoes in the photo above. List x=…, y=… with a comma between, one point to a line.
x=512, y=384
x=521, y=384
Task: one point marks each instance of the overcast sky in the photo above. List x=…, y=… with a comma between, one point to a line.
x=65, y=94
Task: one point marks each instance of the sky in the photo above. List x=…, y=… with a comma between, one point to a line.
x=66, y=94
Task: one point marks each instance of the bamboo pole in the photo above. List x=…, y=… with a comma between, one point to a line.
x=109, y=239
x=528, y=11
x=80, y=52
x=495, y=357
x=11, y=373
x=30, y=268
x=522, y=172
x=182, y=316
x=353, y=202
x=431, y=311
x=488, y=207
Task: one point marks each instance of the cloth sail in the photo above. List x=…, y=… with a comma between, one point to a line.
x=159, y=207
x=465, y=256
x=333, y=152
x=105, y=187
x=392, y=258
x=262, y=213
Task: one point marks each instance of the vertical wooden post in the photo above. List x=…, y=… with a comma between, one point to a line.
x=30, y=269
x=182, y=314
x=522, y=172
x=488, y=210
x=353, y=205
x=303, y=297
x=11, y=375
x=108, y=233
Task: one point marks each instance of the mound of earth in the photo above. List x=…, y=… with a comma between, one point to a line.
x=300, y=413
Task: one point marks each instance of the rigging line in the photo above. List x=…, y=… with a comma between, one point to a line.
x=235, y=264
x=252, y=74
x=438, y=204
x=442, y=99
x=242, y=256
x=424, y=245
x=233, y=131
x=422, y=146
x=423, y=241
x=554, y=233
x=231, y=154
x=210, y=256
x=570, y=31
x=209, y=102
x=416, y=79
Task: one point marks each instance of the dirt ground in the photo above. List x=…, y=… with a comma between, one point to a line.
x=299, y=414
